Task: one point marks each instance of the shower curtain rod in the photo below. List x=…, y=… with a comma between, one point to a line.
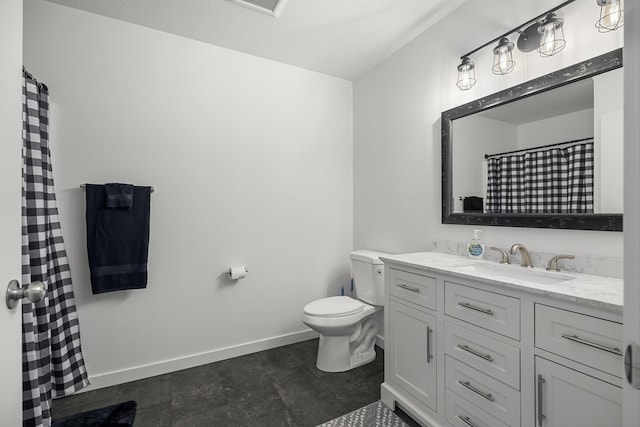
x=486, y=156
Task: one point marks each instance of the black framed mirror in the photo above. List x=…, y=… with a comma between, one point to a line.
x=552, y=102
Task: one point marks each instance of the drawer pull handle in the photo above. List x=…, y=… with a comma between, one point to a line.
x=473, y=307
x=409, y=288
x=467, y=421
x=575, y=338
x=429, y=355
x=541, y=415
x=475, y=352
x=471, y=387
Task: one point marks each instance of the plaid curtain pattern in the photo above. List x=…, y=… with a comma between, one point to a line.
x=554, y=180
x=52, y=363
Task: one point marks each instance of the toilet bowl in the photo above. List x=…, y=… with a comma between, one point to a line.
x=347, y=326
x=347, y=332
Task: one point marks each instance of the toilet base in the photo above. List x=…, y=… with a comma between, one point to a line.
x=342, y=353
x=334, y=355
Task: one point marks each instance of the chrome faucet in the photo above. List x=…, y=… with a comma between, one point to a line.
x=524, y=254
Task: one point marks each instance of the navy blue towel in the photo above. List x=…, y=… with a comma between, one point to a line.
x=119, y=195
x=117, y=240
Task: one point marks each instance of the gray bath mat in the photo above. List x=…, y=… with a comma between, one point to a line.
x=376, y=414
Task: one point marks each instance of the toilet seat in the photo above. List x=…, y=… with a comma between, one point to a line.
x=333, y=307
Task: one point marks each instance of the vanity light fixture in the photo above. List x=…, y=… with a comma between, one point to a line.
x=551, y=35
x=466, y=74
x=503, y=62
x=544, y=34
x=611, y=15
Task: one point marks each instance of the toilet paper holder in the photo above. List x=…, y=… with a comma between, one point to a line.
x=228, y=272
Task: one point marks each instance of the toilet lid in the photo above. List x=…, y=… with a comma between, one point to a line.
x=333, y=307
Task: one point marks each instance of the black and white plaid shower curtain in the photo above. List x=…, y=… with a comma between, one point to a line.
x=52, y=363
x=553, y=180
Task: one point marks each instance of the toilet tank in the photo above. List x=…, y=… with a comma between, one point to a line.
x=368, y=276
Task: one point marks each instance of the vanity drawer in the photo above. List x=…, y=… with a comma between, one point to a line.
x=460, y=413
x=496, y=398
x=489, y=310
x=414, y=288
x=488, y=355
x=585, y=339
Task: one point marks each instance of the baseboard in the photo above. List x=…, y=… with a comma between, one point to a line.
x=164, y=367
x=380, y=341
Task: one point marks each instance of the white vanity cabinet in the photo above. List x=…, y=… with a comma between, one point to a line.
x=412, y=365
x=485, y=353
x=467, y=351
x=566, y=397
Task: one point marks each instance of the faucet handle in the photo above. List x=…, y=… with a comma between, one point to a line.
x=505, y=256
x=553, y=262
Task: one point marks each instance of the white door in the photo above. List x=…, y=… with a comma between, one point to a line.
x=10, y=183
x=631, y=403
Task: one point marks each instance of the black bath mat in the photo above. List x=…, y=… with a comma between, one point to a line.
x=120, y=415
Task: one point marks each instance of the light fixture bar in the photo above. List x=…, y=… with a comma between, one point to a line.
x=518, y=28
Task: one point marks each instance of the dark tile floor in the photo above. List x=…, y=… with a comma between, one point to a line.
x=277, y=387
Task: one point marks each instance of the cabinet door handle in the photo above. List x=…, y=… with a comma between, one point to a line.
x=429, y=355
x=475, y=352
x=541, y=416
x=473, y=307
x=575, y=338
x=467, y=421
x=476, y=390
x=409, y=288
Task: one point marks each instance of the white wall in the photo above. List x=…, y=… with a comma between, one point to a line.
x=481, y=136
x=252, y=163
x=10, y=226
x=608, y=91
x=566, y=127
x=397, y=196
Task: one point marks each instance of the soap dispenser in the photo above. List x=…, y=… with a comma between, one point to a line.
x=475, y=248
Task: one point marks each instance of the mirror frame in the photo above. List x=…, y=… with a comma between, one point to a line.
x=582, y=70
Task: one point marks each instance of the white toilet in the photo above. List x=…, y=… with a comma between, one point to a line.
x=346, y=325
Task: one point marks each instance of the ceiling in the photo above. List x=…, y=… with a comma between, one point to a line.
x=566, y=99
x=342, y=38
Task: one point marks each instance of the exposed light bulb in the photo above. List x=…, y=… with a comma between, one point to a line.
x=551, y=36
x=503, y=62
x=466, y=74
x=547, y=40
x=611, y=15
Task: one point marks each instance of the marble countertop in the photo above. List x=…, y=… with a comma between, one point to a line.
x=597, y=291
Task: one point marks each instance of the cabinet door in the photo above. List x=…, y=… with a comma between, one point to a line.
x=566, y=397
x=412, y=355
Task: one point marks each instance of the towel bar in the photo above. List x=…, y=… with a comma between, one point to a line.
x=152, y=187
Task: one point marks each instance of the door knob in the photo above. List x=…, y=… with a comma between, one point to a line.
x=632, y=365
x=34, y=292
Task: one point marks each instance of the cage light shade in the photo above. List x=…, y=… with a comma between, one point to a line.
x=503, y=62
x=551, y=36
x=611, y=15
x=466, y=74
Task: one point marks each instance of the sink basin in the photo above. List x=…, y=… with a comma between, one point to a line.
x=513, y=272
